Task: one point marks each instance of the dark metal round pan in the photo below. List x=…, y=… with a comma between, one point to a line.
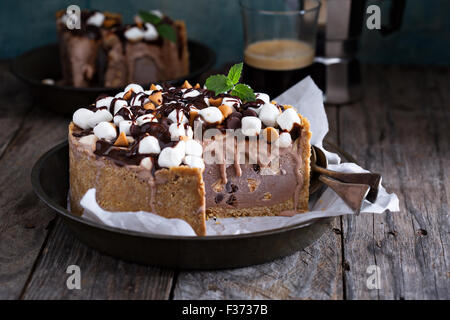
x=44, y=63
x=50, y=180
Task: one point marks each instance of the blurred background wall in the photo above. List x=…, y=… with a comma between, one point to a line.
x=424, y=37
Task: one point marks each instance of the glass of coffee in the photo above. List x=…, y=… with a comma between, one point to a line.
x=279, y=42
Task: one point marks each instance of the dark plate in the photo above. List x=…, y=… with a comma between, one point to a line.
x=50, y=180
x=43, y=63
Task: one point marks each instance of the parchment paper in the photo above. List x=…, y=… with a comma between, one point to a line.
x=307, y=98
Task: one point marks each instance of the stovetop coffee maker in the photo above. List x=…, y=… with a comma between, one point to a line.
x=339, y=28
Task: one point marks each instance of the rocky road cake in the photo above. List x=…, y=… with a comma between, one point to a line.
x=103, y=52
x=190, y=153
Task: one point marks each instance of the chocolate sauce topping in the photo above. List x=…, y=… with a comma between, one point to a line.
x=172, y=99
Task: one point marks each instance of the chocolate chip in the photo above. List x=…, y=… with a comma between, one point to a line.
x=233, y=123
x=231, y=187
x=257, y=168
x=219, y=198
x=231, y=200
x=249, y=113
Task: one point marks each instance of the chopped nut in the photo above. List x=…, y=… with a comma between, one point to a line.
x=122, y=140
x=193, y=114
x=186, y=85
x=287, y=106
x=215, y=102
x=273, y=102
x=149, y=106
x=270, y=134
x=128, y=95
x=267, y=196
x=156, y=98
x=153, y=87
x=226, y=110
x=253, y=184
x=197, y=86
x=217, y=186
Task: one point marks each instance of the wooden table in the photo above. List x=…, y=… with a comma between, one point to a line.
x=400, y=129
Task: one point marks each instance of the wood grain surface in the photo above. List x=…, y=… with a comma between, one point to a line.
x=399, y=129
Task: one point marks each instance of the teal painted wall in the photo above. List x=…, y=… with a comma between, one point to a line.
x=423, y=39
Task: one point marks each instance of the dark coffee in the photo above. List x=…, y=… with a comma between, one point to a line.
x=273, y=66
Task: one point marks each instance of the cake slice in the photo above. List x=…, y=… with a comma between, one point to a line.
x=83, y=59
x=103, y=52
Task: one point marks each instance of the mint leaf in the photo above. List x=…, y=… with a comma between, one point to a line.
x=149, y=17
x=219, y=83
x=244, y=92
x=235, y=73
x=167, y=32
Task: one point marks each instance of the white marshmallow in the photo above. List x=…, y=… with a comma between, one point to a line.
x=134, y=87
x=206, y=101
x=104, y=102
x=134, y=34
x=194, y=148
x=191, y=94
x=146, y=118
x=251, y=126
x=231, y=102
x=176, y=131
x=117, y=120
x=268, y=114
x=81, y=118
x=150, y=32
x=263, y=96
x=124, y=126
x=119, y=104
x=181, y=147
x=105, y=130
x=211, y=115
x=257, y=110
x=170, y=157
x=147, y=163
x=194, y=162
x=284, y=140
x=287, y=119
x=149, y=144
x=136, y=101
x=101, y=115
x=177, y=116
x=96, y=19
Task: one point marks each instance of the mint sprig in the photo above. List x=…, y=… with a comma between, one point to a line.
x=220, y=83
x=165, y=30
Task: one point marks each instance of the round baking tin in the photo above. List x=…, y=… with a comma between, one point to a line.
x=50, y=180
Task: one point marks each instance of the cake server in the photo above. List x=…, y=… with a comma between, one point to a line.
x=352, y=188
x=367, y=178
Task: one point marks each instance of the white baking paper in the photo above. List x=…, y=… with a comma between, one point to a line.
x=308, y=99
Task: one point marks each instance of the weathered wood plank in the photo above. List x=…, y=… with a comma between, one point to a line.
x=102, y=277
x=15, y=103
x=23, y=219
x=400, y=129
x=314, y=273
